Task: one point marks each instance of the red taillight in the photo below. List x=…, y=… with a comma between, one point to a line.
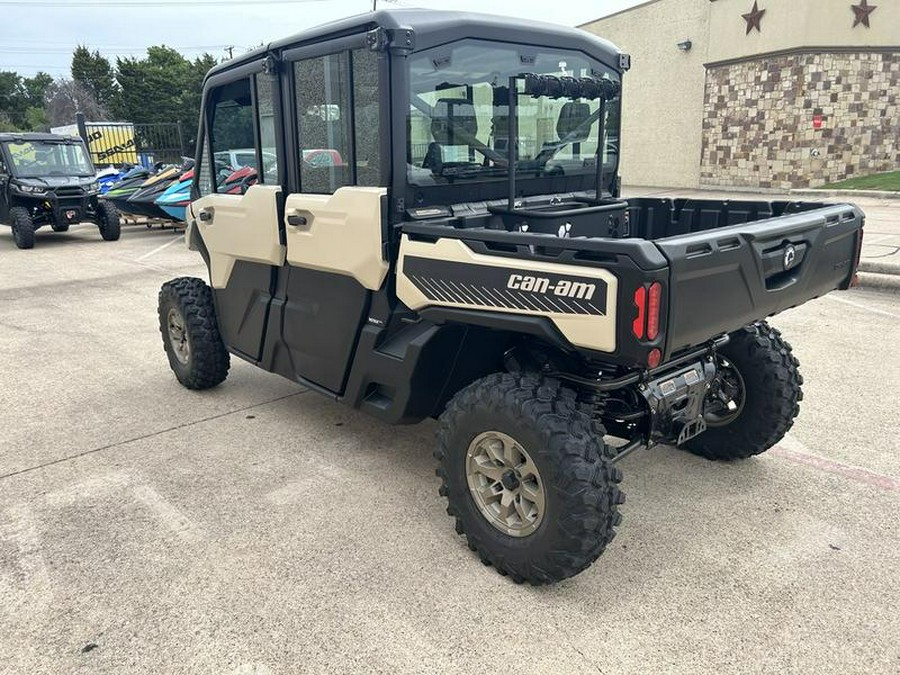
x=654, y=357
x=653, y=304
x=640, y=301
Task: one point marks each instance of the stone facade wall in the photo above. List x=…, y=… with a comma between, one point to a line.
x=758, y=120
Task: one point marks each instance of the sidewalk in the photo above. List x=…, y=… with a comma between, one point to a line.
x=880, y=260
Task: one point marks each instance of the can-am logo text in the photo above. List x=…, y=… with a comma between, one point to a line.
x=563, y=288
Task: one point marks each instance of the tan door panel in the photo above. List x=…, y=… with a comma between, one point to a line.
x=341, y=233
x=242, y=227
x=581, y=301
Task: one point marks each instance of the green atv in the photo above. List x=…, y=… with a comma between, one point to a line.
x=50, y=180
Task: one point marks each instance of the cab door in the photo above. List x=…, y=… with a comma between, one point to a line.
x=335, y=212
x=238, y=213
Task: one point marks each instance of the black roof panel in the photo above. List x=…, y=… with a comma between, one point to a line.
x=434, y=27
x=34, y=136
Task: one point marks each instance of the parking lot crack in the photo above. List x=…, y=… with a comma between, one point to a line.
x=142, y=437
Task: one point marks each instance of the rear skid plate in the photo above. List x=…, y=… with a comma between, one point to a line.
x=676, y=402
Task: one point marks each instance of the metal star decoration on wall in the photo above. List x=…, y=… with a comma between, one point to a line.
x=755, y=16
x=862, y=11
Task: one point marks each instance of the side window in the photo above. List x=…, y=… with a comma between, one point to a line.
x=265, y=110
x=323, y=122
x=367, y=120
x=204, y=176
x=232, y=136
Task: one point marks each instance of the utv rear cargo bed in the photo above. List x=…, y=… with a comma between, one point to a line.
x=723, y=264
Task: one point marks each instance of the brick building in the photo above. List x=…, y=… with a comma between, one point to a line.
x=771, y=94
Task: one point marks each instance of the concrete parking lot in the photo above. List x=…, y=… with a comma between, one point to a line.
x=259, y=528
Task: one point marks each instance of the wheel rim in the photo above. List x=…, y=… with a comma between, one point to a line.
x=726, y=399
x=178, y=338
x=505, y=484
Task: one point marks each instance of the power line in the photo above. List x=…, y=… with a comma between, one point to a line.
x=122, y=4
x=31, y=65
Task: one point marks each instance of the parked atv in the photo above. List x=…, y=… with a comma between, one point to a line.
x=472, y=261
x=49, y=180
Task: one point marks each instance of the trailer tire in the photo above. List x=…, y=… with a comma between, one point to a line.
x=108, y=221
x=772, y=386
x=22, y=227
x=187, y=321
x=571, y=473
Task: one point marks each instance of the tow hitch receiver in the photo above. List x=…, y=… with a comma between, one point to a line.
x=676, y=402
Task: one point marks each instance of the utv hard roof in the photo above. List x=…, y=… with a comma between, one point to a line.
x=436, y=27
x=37, y=137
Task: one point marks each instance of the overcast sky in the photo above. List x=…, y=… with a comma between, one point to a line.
x=41, y=34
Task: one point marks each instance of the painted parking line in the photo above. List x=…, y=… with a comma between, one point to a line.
x=791, y=449
x=167, y=513
x=160, y=248
x=858, y=305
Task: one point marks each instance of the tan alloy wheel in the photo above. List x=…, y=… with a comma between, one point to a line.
x=505, y=483
x=178, y=336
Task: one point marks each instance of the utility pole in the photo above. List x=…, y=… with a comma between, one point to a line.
x=230, y=51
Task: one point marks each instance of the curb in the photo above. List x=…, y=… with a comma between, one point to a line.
x=883, y=282
x=876, y=194
x=892, y=269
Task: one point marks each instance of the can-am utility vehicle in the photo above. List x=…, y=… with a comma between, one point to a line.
x=471, y=260
x=50, y=180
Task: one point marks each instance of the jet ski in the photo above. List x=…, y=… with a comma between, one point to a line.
x=141, y=201
x=109, y=176
x=119, y=193
x=238, y=181
x=174, y=201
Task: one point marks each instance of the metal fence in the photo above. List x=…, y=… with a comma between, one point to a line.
x=120, y=142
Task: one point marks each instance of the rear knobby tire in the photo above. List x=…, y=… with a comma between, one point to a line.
x=22, y=227
x=581, y=495
x=187, y=321
x=108, y=221
x=772, y=395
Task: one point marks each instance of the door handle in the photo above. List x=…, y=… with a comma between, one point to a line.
x=205, y=216
x=296, y=218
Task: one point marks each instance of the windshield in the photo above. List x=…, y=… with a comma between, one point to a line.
x=459, y=114
x=38, y=159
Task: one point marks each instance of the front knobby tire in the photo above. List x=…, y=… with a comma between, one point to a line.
x=552, y=493
x=22, y=227
x=770, y=400
x=108, y=221
x=187, y=321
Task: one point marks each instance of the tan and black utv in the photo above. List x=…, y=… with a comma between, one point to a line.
x=436, y=231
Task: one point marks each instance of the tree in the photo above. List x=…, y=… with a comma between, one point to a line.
x=22, y=101
x=192, y=96
x=151, y=89
x=67, y=97
x=10, y=104
x=94, y=73
x=162, y=87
